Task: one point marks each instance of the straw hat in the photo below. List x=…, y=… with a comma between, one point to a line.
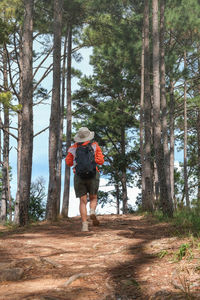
x=83, y=135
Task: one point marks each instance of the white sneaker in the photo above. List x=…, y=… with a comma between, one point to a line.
x=84, y=226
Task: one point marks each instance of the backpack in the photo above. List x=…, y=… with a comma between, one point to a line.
x=85, y=161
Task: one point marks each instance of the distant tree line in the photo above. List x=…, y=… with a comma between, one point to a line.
x=142, y=101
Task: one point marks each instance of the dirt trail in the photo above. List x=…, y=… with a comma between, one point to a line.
x=119, y=260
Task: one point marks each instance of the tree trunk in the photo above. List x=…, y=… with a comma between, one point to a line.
x=172, y=141
x=60, y=150
x=164, y=108
x=0, y=136
x=142, y=119
x=5, y=167
x=19, y=146
x=185, y=138
x=123, y=155
x=124, y=193
x=65, y=207
x=117, y=198
x=156, y=87
x=198, y=137
x=27, y=115
x=156, y=113
x=19, y=139
x=54, y=130
x=198, y=132
x=123, y=178
x=1, y=166
x=156, y=187
x=147, y=202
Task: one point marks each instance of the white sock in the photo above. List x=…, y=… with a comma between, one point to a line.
x=85, y=226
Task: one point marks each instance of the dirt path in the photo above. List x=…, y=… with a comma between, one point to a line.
x=126, y=257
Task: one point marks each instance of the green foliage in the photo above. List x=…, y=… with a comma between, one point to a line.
x=43, y=16
x=103, y=198
x=5, y=99
x=184, y=250
x=184, y=15
x=8, y=16
x=162, y=253
x=8, y=8
x=41, y=94
x=131, y=209
x=37, y=200
x=75, y=12
x=186, y=221
x=4, y=32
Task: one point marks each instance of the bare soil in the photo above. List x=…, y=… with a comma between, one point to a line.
x=126, y=257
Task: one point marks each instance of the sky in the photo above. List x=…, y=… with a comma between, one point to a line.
x=40, y=146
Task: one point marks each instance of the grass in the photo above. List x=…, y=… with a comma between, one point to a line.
x=184, y=283
x=162, y=253
x=184, y=252
x=185, y=224
x=185, y=221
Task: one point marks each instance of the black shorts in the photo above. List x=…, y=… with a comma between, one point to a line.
x=84, y=186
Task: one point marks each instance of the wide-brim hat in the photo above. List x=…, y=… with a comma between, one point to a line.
x=83, y=135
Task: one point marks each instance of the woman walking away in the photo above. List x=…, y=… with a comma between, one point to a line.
x=84, y=156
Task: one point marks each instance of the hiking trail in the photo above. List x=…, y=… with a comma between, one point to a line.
x=126, y=257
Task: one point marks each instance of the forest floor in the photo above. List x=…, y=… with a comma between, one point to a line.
x=126, y=257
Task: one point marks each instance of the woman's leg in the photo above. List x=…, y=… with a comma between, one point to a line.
x=93, y=205
x=83, y=208
x=93, y=202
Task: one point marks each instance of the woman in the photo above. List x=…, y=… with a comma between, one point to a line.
x=83, y=185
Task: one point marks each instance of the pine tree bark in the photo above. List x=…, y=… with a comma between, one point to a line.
x=54, y=129
x=142, y=119
x=158, y=147
x=156, y=186
x=156, y=88
x=198, y=138
x=147, y=201
x=0, y=135
x=19, y=139
x=198, y=132
x=26, y=115
x=185, y=139
x=5, y=197
x=172, y=141
x=117, y=198
x=123, y=155
x=123, y=178
x=65, y=207
x=164, y=124
x=59, y=173
x=19, y=147
x=7, y=142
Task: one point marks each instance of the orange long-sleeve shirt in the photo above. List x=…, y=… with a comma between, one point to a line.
x=70, y=158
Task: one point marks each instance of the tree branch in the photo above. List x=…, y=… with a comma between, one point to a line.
x=40, y=131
